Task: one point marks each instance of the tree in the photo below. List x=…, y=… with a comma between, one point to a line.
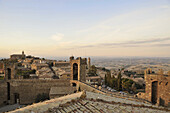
x=105, y=79
x=109, y=80
x=92, y=71
x=119, y=78
x=126, y=84
x=114, y=83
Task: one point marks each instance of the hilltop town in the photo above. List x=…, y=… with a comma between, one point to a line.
x=26, y=79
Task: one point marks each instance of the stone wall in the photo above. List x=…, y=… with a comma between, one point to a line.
x=3, y=93
x=80, y=86
x=27, y=90
x=160, y=94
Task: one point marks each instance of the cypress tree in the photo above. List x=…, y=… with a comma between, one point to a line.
x=105, y=79
x=119, y=81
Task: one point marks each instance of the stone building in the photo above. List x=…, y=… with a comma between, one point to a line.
x=38, y=66
x=14, y=89
x=18, y=56
x=1, y=71
x=1, y=65
x=61, y=64
x=157, y=89
x=94, y=80
x=65, y=76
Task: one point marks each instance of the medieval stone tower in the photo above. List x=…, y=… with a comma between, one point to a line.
x=89, y=63
x=78, y=68
x=10, y=71
x=157, y=87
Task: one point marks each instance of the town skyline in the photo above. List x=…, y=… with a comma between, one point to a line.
x=85, y=28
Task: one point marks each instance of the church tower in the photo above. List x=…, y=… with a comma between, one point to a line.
x=23, y=55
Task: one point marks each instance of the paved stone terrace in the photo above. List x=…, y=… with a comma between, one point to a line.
x=115, y=99
x=94, y=106
x=44, y=106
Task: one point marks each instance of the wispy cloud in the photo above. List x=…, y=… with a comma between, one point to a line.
x=136, y=24
x=132, y=43
x=57, y=36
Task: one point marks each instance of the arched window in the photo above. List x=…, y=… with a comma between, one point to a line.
x=75, y=71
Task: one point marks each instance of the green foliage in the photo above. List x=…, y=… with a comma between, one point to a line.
x=92, y=71
x=129, y=73
x=105, y=79
x=127, y=84
x=42, y=97
x=119, y=82
x=109, y=80
x=114, y=83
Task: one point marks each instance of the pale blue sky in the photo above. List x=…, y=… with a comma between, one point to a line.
x=85, y=27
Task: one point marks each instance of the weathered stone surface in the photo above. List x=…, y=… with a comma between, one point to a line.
x=157, y=89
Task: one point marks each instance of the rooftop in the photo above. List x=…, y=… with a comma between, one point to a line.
x=91, y=102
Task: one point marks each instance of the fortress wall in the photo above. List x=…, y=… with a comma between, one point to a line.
x=89, y=88
x=83, y=72
x=85, y=87
x=3, y=93
x=163, y=89
x=29, y=89
x=164, y=93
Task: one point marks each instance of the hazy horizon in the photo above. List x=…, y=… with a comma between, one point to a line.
x=113, y=28
x=96, y=57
